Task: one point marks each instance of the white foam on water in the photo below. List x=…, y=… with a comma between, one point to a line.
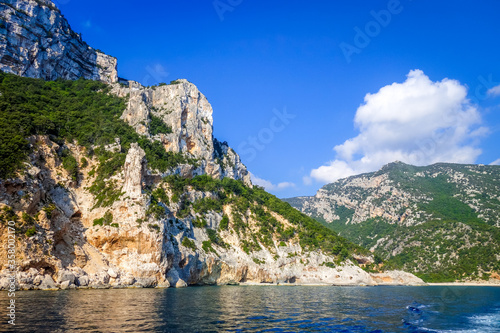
x=483, y=323
x=488, y=321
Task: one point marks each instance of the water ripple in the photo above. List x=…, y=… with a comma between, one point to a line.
x=258, y=309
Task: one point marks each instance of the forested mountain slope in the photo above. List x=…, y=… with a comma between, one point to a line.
x=439, y=221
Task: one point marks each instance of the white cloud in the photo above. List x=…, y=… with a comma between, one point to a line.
x=496, y=162
x=269, y=186
x=418, y=122
x=332, y=171
x=284, y=185
x=495, y=91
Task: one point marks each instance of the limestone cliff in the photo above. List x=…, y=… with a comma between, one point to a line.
x=37, y=41
x=188, y=116
x=133, y=189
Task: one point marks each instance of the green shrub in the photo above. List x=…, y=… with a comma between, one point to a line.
x=107, y=219
x=184, y=208
x=224, y=223
x=212, y=234
x=81, y=110
x=186, y=242
x=70, y=164
x=155, y=210
x=30, y=232
x=199, y=222
x=159, y=195
x=312, y=234
x=154, y=227
x=27, y=218
x=207, y=247
x=48, y=210
x=106, y=192
x=157, y=126
x=207, y=204
x=250, y=246
x=83, y=162
x=329, y=264
x=8, y=214
x=258, y=261
x=158, y=158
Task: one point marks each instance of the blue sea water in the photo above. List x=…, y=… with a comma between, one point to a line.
x=258, y=309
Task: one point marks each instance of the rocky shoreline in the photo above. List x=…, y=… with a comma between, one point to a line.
x=468, y=284
x=66, y=280
x=138, y=285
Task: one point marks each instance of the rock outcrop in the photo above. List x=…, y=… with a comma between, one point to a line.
x=134, y=170
x=188, y=115
x=396, y=278
x=37, y=41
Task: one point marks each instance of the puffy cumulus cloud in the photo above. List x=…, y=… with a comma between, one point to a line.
x=332, y=171
x=496, y=162
x=418, y=122
x=269, y=186
x=495, y=91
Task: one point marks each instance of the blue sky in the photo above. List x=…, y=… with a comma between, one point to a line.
x=288, y=80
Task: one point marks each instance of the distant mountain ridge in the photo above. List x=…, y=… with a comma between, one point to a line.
x=440, y=221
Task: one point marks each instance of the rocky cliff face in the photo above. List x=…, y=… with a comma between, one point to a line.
x=160, y=203
x=37, y=41
x=441, y=218
x=188, y=116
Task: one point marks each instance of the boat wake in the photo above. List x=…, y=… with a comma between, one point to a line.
x=421, y=318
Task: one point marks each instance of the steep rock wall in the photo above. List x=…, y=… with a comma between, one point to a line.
x=37, y=41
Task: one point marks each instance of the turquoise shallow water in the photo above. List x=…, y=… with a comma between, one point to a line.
x=259, y=309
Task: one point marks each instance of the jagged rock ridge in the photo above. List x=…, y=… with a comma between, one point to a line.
x=37, y=41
